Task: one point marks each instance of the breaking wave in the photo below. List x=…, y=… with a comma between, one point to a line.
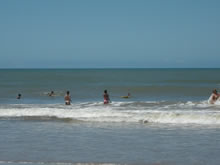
x=163, y=112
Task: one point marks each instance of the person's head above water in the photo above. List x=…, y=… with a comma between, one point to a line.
x=215, y=91
x=19, y=96
x=105, y=91
x=67, y=92
x=51, y=93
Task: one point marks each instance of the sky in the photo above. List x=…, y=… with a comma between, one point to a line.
x=109, y=33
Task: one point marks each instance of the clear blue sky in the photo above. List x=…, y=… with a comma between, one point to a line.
x=109, y=33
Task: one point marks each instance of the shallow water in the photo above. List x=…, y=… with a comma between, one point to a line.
x=64, y=142
x=167, y=120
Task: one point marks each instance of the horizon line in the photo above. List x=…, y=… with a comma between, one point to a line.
x=120, y=68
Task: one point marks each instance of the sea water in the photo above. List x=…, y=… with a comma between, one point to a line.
x=167, y=120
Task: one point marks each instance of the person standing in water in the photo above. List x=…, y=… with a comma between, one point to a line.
x=106, y=97
x=67, y=98
x=214, y=96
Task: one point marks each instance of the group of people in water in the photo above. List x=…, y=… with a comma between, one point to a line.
x=67, y=98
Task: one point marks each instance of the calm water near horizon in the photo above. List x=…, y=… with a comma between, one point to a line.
x=166, y=121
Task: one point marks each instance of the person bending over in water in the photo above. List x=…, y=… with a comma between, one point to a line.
x=19, y=96
x=214, y=97
x=67, y=98
x=106, y=97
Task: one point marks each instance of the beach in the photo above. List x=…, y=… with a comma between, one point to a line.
x=166, y=121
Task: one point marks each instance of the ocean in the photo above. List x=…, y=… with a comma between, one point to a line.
x=166, y=121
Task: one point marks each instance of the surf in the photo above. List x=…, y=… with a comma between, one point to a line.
x=161, y=112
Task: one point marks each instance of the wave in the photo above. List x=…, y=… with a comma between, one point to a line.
x=162, y=112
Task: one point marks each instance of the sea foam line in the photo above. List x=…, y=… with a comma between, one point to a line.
x=130, y=112
x=113, y=115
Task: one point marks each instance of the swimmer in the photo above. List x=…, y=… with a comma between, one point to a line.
x=67, y=98
x=51, y=93
x=106, y=97
x=214, y=96
x=19, y=96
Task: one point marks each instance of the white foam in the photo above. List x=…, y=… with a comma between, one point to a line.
x=217, y=102
x=131, y=112
x=210, y=101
